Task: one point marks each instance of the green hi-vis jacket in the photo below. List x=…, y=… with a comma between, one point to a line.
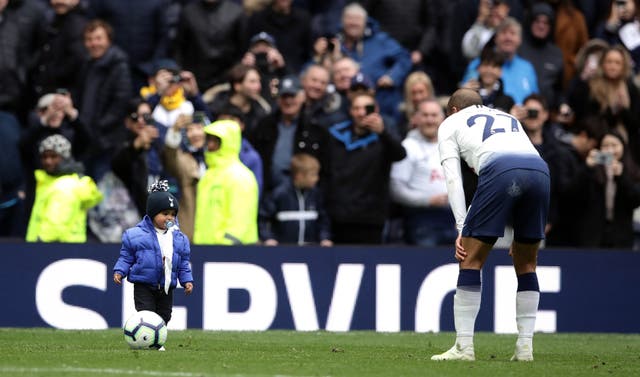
x=60, y=208
x=227, y=194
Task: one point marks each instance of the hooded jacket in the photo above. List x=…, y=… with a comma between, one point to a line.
x=141, y=257
x=227, y=194
x=60, y=209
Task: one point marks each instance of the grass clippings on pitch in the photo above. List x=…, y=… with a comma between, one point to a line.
x=196, y=353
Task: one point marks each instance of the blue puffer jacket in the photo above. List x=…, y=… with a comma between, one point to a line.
x=141, y=258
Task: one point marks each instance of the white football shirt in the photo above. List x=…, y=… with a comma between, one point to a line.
x=478, y=133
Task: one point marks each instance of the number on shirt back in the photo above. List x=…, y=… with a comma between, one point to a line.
x=488, y=124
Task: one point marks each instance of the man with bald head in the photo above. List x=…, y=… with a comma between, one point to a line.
x=513, y=189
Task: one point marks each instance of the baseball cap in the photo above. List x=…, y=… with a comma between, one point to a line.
x=361, y=81
x=289, y=85
x=263, y=36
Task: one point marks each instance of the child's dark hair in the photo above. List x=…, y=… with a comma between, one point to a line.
x=490, y=56
x=303, y=162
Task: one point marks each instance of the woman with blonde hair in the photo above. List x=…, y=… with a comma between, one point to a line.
x=417, y=88
x=610, y=93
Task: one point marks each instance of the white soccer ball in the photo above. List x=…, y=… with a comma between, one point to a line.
x=145, y=330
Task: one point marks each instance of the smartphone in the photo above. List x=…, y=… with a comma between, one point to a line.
x=532, y=113
x=200, y=117
x=370, y=109
x=604, y=158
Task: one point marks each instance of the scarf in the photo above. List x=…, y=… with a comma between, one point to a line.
x=148, y=91
x=173, y=101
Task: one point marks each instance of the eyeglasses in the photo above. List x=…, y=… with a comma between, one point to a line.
x=148, y=119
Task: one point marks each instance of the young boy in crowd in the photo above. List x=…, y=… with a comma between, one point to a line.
x=154, y=267
x=293, y=213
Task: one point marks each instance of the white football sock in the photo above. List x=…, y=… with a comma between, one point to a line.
x=466, y=304
x=526, y=309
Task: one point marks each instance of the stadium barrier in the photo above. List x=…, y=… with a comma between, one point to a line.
x=387, y=289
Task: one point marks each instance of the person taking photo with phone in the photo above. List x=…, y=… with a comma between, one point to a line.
x=361, y=152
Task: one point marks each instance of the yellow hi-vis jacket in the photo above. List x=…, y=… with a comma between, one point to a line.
x=59, y=212
x=227, y=194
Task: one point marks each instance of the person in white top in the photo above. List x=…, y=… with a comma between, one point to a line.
x=513, y=189
x=418, y=184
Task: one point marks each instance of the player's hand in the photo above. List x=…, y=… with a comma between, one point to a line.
x=117, y=278
x=188, y=288
x=460, y=253
x=271, y=242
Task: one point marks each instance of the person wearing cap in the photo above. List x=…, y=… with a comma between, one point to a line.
x=280, y=135
x=263, y=55
x=155, y=255
x=227, y=193
x=490, y=14
x=172, y=92
x=361, y=83
x=63, y=195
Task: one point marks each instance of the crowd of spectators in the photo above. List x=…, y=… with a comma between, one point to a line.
x=307, y=122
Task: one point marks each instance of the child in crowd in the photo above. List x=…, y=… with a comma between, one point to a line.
x=63, y=195
x=489, y=81
x=293, y=213
x=155, y=254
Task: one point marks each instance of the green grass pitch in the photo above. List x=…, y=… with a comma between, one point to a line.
x=197, y=353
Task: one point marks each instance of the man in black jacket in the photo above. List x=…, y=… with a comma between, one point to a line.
x=361, y=153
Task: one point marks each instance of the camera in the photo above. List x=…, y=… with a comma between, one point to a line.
x=176, y=78
x=532, y=113
x=148, y=118
x=370, y=109
x=200, y=117
x=262, y=63
x=603, y=158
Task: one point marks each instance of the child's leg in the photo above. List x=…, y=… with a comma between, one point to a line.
x=164, y=304
x=143, y=297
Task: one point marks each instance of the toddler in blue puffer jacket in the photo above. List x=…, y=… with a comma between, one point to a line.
x=155, y=255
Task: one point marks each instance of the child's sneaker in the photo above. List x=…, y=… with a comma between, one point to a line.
x=522, y=353
x=457, y=353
